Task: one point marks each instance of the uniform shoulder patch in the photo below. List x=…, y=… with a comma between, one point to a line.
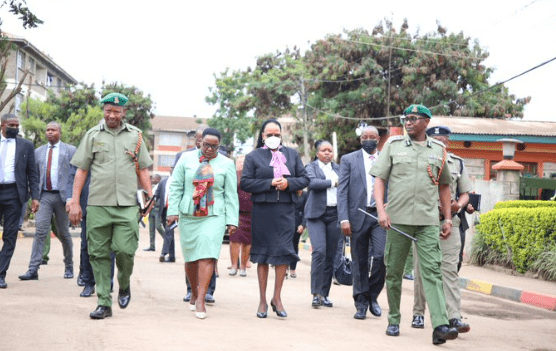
x=134, y=128
x=94, y=129
x=395, y=138
x=456, y=157
x=437, y=142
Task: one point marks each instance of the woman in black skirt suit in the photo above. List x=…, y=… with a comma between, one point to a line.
x=272, y=173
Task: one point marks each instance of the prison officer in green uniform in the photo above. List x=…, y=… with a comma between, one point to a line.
x=459, y=192
x=413, y=166
x=115, y=154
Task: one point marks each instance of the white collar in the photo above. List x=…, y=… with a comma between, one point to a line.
x=55, y=145
x=366, y=154
x=322, y=165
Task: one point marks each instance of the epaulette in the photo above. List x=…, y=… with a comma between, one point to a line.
x=395, y=138
x=437, y=142
x=456, y=157
x=132, y=127
x=96, y=128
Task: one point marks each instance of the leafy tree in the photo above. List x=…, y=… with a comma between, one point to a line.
x=5, y=50
x=18, y=8
x=71, y=101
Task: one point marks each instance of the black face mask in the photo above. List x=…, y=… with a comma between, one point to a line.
x=369, y=145
x=11, y=132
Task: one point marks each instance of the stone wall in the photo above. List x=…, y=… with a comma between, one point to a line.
x=475, y=167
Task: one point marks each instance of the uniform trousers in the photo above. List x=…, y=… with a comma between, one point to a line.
x=367, y=249
x=112, y=229
x=51, y=204
x=155, y=225
x=428, y=251
x=10, y=210
x=324, y=233
x=449, y=267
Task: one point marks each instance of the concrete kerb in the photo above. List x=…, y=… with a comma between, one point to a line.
x=524, y=296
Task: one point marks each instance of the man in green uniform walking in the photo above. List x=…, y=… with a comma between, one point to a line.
x=413, y=166
x=115, y=154
x=459, y=192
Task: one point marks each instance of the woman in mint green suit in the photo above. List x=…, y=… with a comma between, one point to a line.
x=203, y=193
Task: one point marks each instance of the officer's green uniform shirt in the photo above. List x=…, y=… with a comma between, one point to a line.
x=412, y=196
x=460, y=180
x=113, y=174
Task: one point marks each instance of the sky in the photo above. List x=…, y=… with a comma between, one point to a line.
x=171, y=49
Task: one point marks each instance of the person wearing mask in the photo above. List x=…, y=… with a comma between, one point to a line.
x=272, y=173
x=355, y=191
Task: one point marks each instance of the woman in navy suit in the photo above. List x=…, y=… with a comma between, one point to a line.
x=272, y=173
x=322, y=221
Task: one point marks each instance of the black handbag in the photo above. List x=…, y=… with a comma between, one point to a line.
x=343, y=272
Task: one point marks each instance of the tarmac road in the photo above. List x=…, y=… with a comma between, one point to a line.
x=48, y=314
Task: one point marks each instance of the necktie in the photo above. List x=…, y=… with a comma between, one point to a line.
x=48, y=167
x=3, y=159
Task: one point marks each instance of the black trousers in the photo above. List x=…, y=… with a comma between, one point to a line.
x=10, y=211
x=296, y=237
x=369, y=270
x=169, y=245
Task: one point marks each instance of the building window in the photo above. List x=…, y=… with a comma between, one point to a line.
x=166, y=160
x=32, y=65
x=49, y=80
x=21, y=60
x=18, y=101
x=170, y=139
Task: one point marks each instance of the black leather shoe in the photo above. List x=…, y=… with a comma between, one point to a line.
x=408, y=277
x=149, y=249
x=361, y=313
x=68, y=274
x=326, y=302
x=263, y=314
x=162, y=258
x=375, y=309
x=170, y=259
x=279, y=313
x=459, y=325
x=30, y=275
x=315, y=303
x=209, y=298
x=443, y=333
x=187, y=297
x=80, y=280
x=3, y=284
x=418, y=322
x=88, y=291
x=44, y=262
x=393, y=330
x=123, y=297
x=101, y=312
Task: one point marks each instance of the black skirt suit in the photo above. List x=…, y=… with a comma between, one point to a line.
x=273, y=214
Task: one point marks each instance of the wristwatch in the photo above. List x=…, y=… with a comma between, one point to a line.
x=448, y=221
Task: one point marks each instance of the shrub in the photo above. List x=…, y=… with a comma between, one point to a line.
x=516, y=235
x=546, y=264
x=524, y=204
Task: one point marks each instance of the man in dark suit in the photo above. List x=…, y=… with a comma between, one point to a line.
x=162, y=194
x=53, y=163
x=368, y=238
x=18, y=176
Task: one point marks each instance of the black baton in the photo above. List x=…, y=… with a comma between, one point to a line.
x=143, y=210
x=392, y=227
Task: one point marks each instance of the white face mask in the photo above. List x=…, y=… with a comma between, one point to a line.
x=272, y=142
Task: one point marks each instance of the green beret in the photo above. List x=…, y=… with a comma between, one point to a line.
x=418, y=110
x=115, y=99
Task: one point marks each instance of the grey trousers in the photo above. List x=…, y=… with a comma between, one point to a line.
x=324, y=233
x=51, y=203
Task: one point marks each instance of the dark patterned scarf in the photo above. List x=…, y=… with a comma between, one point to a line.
x=203, y=181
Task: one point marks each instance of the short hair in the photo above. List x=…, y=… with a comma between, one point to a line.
x=8, y=116
x=366, y=128
x=157, y=176
x=55, y=123
x=212, y=131
x=321, y=142
x=200, y=129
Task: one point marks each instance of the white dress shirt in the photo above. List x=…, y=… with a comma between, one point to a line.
x=9, y=163
x=53, y=166
x=370, y=179
x=331, y=193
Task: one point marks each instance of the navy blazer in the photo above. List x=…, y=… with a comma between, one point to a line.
x=258, y=174
x=318, y=186
x=352, y=190
x=25, y=170
x=161, y=195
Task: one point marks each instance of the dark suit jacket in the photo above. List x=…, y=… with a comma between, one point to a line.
x=318, y=185
x=352, y=190
x=258, y=174
x=300, y=202
x=25, y=170
x=64, y=166
x=160, y=194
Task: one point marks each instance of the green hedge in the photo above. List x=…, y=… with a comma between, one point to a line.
x=516, y=235
x=524, y=204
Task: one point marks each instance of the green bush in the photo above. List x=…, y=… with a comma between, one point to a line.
x=524, y=204
x=515, y=236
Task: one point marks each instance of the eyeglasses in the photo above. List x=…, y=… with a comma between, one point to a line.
x=411, y=119
x=210, y=146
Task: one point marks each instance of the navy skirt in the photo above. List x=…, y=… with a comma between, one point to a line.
x=272, y=229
